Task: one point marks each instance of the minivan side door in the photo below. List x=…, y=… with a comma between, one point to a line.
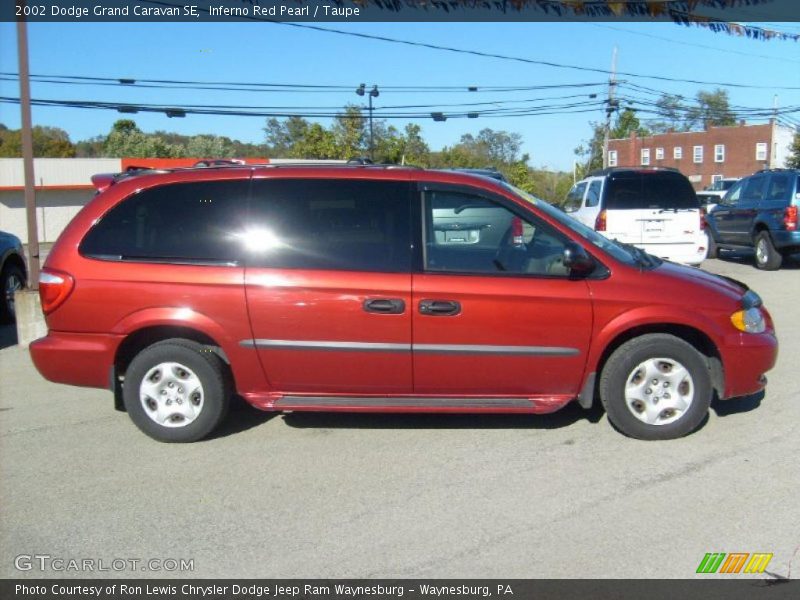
x=495, y=311
x=328, y=284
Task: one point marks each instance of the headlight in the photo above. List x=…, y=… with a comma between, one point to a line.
x=750, y=320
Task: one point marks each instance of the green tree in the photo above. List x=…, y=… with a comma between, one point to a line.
x=48, y=142
x=317, y=142
x=592, y=152
x=126, y=139
x=351, y=132
x=282, y=135
x=209, y=146
x=671, y=114
x=712, y=108
x=793, y=162
x=627, y=122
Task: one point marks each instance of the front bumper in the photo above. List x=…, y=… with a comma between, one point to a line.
x=746, y=358
x=83, y=359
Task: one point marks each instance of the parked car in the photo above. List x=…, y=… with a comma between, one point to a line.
x=712, y=194
x=653, y=209
x=374, y=288
x=759, y=212
x=12, y=273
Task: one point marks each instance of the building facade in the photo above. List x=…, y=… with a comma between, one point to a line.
x=709, y=155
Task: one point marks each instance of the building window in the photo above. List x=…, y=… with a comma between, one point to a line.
x=659, y=154
x=612, y=158
x=698, y=154
x=677, y=153
x=716, y=178
x=645, y=156
x=761, y=151
x=719, y=153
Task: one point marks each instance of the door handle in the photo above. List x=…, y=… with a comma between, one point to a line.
x=439, y=308
x=385, y=306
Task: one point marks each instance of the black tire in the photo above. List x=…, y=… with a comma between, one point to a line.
x=713, y=249
x=767, y=257
x=10, y=273
x=208, y=368
x=621, y=365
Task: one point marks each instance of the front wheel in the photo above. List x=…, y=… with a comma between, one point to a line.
x=656, y=387
x=176, y=391
x=767, y=256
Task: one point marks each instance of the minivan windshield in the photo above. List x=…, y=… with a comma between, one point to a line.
x=624, y=253
x=649, y=190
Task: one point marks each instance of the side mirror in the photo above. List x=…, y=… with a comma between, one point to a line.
x=577, y=260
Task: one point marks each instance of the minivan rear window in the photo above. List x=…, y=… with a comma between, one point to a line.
x=179, y=222
x=626, y=191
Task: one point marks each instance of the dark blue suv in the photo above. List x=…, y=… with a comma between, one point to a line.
x=759, y=212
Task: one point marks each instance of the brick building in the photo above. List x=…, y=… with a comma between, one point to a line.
x=705, y=156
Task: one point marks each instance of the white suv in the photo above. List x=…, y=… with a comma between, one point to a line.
x=654, y=209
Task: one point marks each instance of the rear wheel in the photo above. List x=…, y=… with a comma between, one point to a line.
x=767, y=256
x=656, y=387
x=176, y=391
x=11, y=280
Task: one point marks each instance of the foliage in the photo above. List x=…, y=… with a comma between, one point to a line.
x=627, y=122
x=712, y=108
x=48, y=142
x=793, y=162
x=126, y=139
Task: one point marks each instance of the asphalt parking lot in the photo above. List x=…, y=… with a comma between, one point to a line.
x=305, y=495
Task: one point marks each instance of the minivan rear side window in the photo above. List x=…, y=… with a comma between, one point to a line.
x=331, y=224
x=178, y=222
x=649, y=190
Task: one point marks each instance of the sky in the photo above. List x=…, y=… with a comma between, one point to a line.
x=279, y=53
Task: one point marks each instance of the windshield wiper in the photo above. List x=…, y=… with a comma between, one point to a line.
x=642, y=257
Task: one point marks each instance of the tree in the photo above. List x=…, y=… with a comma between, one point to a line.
x=627, y=122
x=671, y=114
x=126, y=139
x=208, y=146
x=282, y=136
x=48, y=142
x=592, y=152
x=793, y=162
x=351, y=133
x=712, y=108
x=317, y=142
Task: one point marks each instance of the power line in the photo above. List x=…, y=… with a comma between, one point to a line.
x=292, y=87
x=671, y=41
x=181, y=110
x=519, y=58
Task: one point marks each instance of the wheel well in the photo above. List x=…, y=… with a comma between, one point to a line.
x=141, y=339
x=699, y=340
x=16, y=259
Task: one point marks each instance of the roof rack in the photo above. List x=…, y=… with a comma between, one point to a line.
x=609, y=170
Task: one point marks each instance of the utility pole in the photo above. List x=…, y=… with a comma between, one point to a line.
x=373, y=93
x=27, y=153
x=612, y=105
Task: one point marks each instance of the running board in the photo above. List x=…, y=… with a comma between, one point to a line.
x=364, y=402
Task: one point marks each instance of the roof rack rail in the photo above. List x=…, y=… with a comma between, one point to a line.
x=609, y=170
x=219, y=162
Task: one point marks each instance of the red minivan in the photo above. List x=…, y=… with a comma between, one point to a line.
x=380, y=288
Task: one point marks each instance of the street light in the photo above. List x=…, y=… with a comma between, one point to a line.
x=373, y=93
